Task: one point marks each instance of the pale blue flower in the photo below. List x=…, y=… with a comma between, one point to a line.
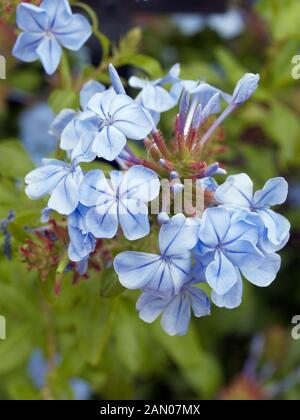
x=113, y=118
x=175, y=310
x=32, y=123
x=237, y=192
x=47, y=28
x=82, y=243
x=164, y=273
x=59, y=179
x=153, y=95
x=231, y=239
x=122, y=201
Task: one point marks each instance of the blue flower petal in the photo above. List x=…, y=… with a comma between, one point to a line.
x=31, y=18
x=133, y=218
x=82, y=152
x=157, y=98
x=100, y=103
x=232, y=299
x=130, y=118
x=140, y=183
x=109, y=143
x=136, y=269
x=95, y=189
x=137, y=82
x=237, y=191
x=277, y=230
x=102, y=221
x=25, y=48
x=88, y=90
x=81, y=245
x=59, y=12
x=177, y=316
x=199, y=301
x=221, y=274
x=214, y=227
x=265, y=273
x=178, y=236
x=171, y=275
x=61, y=121
x=43, y=180
x=150, y=306
x=273, y=193
x=65, y=196
x=116, y=81
x=49, y=52
x=75, y=33
x=243, y=254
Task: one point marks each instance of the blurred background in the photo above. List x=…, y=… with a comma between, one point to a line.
x=87, y=344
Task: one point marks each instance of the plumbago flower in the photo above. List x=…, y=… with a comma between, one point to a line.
x=166, y=273
x=108, y=119
x=237, y=192
x=235, y=235
x=45, y=29
x=122, y=201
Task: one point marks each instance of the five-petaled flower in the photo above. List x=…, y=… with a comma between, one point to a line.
x=46, y=28
x=122, y=201
x=163, y=273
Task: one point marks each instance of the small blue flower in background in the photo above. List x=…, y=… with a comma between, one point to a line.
x=237, y=192
x=167, y=272
x=46, y=28
x=59, y=179
x=153, y=95
x=32, y=123
x=38, y=368
x=175, y=310
x=82, y=243
x=122, y=202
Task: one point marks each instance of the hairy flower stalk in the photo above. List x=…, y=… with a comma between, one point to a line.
x=161, y=220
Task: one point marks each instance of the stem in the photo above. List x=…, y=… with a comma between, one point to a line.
x=216, y=124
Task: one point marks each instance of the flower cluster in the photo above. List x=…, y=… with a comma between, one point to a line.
x=234, y=235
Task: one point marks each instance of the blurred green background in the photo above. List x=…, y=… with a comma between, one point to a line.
x=89, y=343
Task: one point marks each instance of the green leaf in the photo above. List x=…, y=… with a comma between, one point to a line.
x=198, y=367
x=283, y=126
x=27, y=80
x=94, y=328
x=285, y=24
x=233, y=69
x=15, y=349
x=60, y=99
x=148, y=64
x=110, y=285
x=130, y=43
x=14, y=160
